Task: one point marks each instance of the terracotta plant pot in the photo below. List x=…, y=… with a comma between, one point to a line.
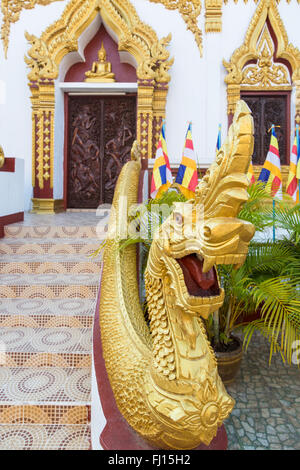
x=229, y=363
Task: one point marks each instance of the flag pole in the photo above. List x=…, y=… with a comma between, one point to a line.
x=274, y=230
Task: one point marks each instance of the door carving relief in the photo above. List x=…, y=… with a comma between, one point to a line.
x=101, y=133
x=268, y=109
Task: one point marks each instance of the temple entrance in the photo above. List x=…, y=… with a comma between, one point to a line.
x=101, y=131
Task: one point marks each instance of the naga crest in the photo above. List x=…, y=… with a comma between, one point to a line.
x=165, y=378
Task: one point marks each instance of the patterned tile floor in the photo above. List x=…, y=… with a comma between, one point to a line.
x=267, y=411
x=66, y=219
x=48, y=287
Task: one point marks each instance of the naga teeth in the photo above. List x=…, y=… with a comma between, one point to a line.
x=200, y=258
x=209, y=262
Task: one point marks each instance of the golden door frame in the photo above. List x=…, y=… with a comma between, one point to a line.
x=248, y=52
x=61, y=38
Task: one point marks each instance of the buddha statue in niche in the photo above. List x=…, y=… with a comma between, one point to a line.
x=101, y=69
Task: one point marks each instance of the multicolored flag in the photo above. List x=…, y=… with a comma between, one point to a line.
x=219, y=139
x=292, y=183
x=187, y=176
x=250, y=174
x=271, y=171
x=162, y=176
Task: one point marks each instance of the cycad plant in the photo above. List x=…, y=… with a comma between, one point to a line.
x=262, y=284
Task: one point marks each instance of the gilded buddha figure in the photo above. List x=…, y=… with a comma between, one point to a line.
x=101, y=69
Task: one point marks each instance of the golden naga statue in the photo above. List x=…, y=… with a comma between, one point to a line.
x=165, y=378
x=101, y=70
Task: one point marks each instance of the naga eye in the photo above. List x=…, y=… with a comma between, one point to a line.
x=178, y=218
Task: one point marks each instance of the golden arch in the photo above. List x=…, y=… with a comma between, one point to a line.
x=250, y=52
x=266, y=11
x=61, y=38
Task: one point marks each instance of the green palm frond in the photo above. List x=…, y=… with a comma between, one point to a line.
x=255, y=210
x=268, y=259
x=288, y=218
x=279, y=303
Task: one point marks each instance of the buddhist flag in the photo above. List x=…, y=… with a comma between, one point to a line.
x=162, y=176
x=250, y=174
x=292, y=184
x=187, y=176
x=219, y=140
x=271, y=171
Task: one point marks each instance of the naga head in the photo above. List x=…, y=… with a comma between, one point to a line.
x=206, y=231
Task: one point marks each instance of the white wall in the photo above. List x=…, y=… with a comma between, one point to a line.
x=15, y=104
x=197, y=89
x=12, y=200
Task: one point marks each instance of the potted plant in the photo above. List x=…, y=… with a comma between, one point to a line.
x=267, y=284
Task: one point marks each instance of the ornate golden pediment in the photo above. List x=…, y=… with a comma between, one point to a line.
x=260, y=64
x=120, y=16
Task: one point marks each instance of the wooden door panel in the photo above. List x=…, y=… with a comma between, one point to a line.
x=84, y=153
x=101, y=133
x=268, y=110
x=119, y=135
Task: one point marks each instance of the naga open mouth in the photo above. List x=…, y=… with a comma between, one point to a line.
x=198, y=283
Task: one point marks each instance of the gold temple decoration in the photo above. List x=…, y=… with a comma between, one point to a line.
x=266, y=74
x=165, y=378
x=46, y=53
x=11, y=10
x=101, y=70
x=213, y=13
x=213, y=16
x=2, y=157
x=190, y=11
x=257, y=64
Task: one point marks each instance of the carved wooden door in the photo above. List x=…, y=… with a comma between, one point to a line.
x=268, y=109
x=101, y=133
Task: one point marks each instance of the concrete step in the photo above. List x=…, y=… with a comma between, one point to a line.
x=56, y=340
x=43, y=385
x=28, y=246
x=48, y=307
x=49, y=286
x=45, y=437
x=46, y=414
x=44, y=231
x=55, y=266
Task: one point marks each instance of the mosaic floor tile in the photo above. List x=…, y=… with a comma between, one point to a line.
x=49, y=279
x=48, y=246
x=76, y=307
x=52, y=340
x=43, y=385
x=44, y=414
x=41, y=437
x=266, y=406
x=48, y=288
x=50, y=267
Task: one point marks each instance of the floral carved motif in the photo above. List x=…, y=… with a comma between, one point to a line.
x=11, y=10
x=257, y=64
x=190, y=11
